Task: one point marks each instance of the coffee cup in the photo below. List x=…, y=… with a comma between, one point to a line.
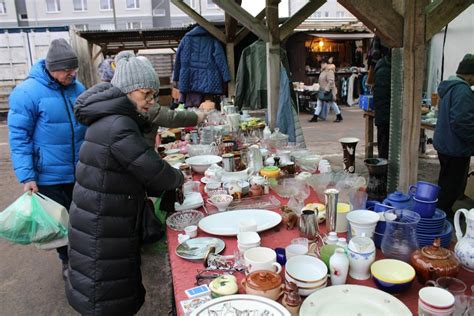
x=435, y=301
x=191, y=231
x=424, y=191
x=248, y=225
x=261, y=258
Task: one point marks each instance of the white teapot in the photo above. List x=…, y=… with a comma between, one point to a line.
x=464, y=248
x=214, y=172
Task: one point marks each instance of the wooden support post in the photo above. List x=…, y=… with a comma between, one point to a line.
x=273, y=62
x=289, y=26
x=414, y=72
x=254, y=25
x=440, y=12
x=200, y=20
x=230, y=30
x=380, y=17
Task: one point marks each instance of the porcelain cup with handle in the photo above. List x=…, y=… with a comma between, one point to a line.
x=261, y=258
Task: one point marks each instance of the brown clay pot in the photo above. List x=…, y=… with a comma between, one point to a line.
x=264, y=283
x=431, y=262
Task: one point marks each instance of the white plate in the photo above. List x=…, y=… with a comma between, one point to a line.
x=192, y=200
x=196, y=248
x=241, y=304
x=227, y=223
x=352, y=300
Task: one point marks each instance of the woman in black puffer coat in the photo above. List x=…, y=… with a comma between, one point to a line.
x=116, y=168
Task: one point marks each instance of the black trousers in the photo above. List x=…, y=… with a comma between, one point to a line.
x=61, y=193
x=383, y=134
x=452, y=180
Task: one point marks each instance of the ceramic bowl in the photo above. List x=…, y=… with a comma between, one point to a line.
x=221, y=201
x=392, y=276
x=200, y=164
x=306, y=269
x=179, y=220
x=248, y=238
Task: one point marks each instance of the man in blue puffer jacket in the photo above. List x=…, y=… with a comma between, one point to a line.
x=454, y=134
x=44, y=135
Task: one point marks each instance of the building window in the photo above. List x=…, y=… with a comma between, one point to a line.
x=340, y=14
x=23, y=16
x=52, y=6
x=107, y=27
x=3, y=7
x=326, y=14
x=81, y=27
x=133, y=4
x=134, y=25
x=106, y=4
x=211, y=4
x=80, y=5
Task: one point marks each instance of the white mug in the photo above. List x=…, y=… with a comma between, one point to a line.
x=261, y=258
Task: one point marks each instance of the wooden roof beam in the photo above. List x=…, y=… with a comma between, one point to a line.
x=440, y=12
x=380, y=17
x=288, y=27
x=245, y=31
x=200, y=20
x=241, y=15
x=231, y=25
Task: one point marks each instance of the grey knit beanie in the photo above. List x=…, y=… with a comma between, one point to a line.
x=61, y=56
x=132, y=73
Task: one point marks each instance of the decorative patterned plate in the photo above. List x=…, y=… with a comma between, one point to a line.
x=196, y=248
x=241, y=304
x=352, y=300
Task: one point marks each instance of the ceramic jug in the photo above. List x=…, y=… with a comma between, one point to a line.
x=398, y=200
x=464, y=248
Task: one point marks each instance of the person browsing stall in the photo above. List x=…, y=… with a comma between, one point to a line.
x=116, y=171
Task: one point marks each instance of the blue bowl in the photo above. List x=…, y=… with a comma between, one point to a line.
x=391, y=275
x=426, y=209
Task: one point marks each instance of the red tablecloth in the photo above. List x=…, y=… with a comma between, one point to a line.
x=184, y=271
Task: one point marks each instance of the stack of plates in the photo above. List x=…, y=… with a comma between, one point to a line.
x=307, y=272
x=432, y=225
x=425, y=239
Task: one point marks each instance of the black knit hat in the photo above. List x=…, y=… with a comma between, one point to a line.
x=61, y=56
x=466, y=66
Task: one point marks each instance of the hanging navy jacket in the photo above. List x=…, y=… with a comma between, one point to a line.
x=201, y=64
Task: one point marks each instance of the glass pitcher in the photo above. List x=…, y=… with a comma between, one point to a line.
x=399, y=239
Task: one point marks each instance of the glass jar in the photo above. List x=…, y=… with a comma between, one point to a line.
x=400, y=240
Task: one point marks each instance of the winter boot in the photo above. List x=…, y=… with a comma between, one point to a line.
x=314, y=118
x=338, y=118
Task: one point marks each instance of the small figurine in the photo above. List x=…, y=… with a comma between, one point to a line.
x=291, y=299
x=289, y=217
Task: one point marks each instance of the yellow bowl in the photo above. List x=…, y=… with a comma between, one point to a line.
x=392, y=271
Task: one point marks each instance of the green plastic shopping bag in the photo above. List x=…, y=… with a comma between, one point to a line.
x=25, y=221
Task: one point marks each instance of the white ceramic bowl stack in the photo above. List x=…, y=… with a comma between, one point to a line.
x=247, y=240
x=308, y=273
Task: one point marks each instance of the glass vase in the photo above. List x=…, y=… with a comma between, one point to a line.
x=399, y=239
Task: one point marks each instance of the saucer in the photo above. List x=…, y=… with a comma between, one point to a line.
x=207, y=180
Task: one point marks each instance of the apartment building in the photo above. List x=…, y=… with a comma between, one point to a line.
x=85, y=14
x=134, y=14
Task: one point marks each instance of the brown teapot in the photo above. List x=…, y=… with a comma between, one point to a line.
x=431, y=262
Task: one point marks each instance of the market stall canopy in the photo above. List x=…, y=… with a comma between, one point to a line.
x=113, y=42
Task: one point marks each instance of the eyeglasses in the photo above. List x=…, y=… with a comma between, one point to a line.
x=69, y=70
x=150, y=95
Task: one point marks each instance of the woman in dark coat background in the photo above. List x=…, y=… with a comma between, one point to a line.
x=115, y=171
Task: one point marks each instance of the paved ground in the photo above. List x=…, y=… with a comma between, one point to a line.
x=30, y=280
